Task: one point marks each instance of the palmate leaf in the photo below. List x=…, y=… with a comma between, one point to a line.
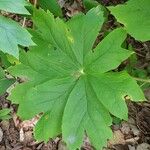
x=17, y=6
x=12, y=35
x=135, y=16
x=69, y=83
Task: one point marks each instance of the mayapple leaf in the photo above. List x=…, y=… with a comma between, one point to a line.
x=135, y=16
x=71, y=85
x=17, y=6
x=12, y=35
x=108, y=54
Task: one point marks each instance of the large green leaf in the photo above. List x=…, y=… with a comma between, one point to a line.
x=17, y=6
x=12, y=35
x=135, y=16
x=52, y=6
x=4, y=83
x=69, y=83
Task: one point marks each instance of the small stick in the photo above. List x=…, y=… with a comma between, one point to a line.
x=24, y=22
x=35, y=3
x=24, y=19
x=142, y=80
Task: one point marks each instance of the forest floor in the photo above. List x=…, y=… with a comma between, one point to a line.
x=133, y=134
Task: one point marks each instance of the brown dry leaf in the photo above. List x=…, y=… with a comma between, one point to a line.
x=16, y=120
x=125, y=128
x=62, y=146
x=132, y=140
x=28, y=137
x=121, y=147
x=72, y=9
x=29, y=124
x=87, y=144
x=61, y=3
x=143, y=119
x=131, y=147
x=118, y=138
x=1, y=134
x=143, y=146
x=21, y=134
x=135, y=130
x=147, y=94
x=5, y=125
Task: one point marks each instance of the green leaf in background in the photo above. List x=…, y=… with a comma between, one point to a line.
x=4, y=114
x=71, y=84
x=12, y=35
x=4, y=61
x=14, y=6
x=7, y=60
x=4, y=83
x=89, y=4
x=135, y=16
x=12, y=59
x=52, y=6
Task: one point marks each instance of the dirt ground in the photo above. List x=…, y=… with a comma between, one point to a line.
x=131, y=135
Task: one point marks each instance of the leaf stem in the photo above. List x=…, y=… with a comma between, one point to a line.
x=142, y=80
x=24, y=19
x=24, y=22
x=35, y=3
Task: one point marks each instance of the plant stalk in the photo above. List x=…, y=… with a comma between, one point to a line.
x=142, y=80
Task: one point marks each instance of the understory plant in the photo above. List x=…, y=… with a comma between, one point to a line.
x=11, y=33
x=75, y=88
x=4, y=114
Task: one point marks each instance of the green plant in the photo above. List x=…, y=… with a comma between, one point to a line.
x=12, y=34
x=4, y=83
x=134, y=15
x=52, y=6
x=17, y=6
x=72, y=84
x=89, y=4
x=4, y=114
